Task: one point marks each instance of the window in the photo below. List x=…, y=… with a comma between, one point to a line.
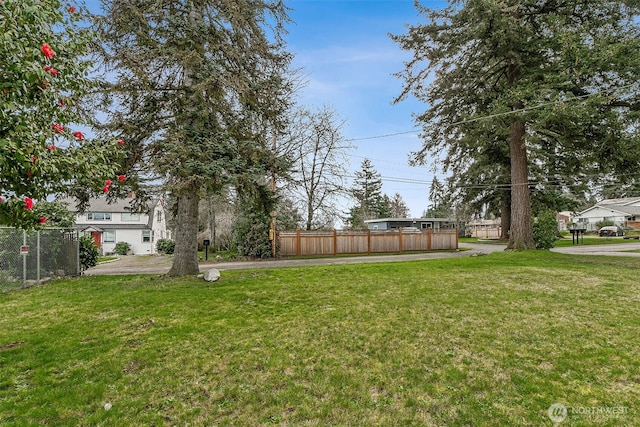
x=159, y=216
x=99, y=216
x=130, y=217
x=147, y=237
x=109, y=236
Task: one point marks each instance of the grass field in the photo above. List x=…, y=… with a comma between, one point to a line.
x=477, y=341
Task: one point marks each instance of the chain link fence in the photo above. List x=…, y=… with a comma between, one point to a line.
x=31, y=257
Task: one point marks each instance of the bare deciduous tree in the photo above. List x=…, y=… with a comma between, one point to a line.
x=318, y=153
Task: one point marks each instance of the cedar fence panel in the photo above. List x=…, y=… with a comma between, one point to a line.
x=297, y=243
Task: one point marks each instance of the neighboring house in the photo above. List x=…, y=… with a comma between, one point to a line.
x=422, y=223
x=563, y=219
x=622, y=212
x=484, y=228
x=110, y=223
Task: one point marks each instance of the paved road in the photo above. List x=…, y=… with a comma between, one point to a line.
x=161, y=264
x=612, y=249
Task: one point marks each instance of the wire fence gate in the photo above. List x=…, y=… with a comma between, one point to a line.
x=31, y=257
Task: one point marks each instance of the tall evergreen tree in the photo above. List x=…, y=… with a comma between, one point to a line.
x=199, y=88
x=552, y=82
x=367, y=191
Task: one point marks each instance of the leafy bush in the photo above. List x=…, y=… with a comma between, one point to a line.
x=545, y=230
x=252, y=235
x=165, y=246
x=122, y=248
x=88, y=252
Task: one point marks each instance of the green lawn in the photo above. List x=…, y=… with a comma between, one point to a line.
x=477, y=341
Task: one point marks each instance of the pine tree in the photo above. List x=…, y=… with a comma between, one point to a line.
x=367, y=191
x=550, y=82
x=200, y=87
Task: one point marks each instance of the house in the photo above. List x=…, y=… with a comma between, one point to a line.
x=110, y=223
x=564, y=220
x=484, y=228
x=421, y=223
x=622, y=212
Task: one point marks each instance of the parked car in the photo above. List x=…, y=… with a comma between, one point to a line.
x=610, y=230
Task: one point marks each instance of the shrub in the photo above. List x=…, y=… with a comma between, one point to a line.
x=545, y=230
x=165, y=246
x=122, y=248
x=88, y=252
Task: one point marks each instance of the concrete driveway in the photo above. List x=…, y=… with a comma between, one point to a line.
x=161, y=264
x=611, y=249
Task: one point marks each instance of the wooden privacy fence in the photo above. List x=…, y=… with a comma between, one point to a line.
x=335, y=242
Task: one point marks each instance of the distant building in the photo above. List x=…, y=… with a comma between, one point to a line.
x=563, y=219
x=484, y=228
x=623, y=212
x=420, y=223
x=110, y=223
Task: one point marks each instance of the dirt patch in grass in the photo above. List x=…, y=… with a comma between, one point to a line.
x=11, y=345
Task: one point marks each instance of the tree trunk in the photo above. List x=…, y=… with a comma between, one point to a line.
x=185, y=259
x=521, y=231
x=505, y=214
x=212, y=223
x=309, y=221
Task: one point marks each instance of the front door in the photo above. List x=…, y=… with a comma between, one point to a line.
x=96, y=236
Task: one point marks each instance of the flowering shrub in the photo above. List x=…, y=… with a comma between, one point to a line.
x=45, y=79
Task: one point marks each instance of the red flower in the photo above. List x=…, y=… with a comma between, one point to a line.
x=72, y=9
x=34, y=159
x=57, y=128
x=1, y=200
x=52, y=147
x=120, y=142
x=78, y=135
x=28, y=203
x=29, y=173
x=105, y=189
x=61, y=102
x=43, y=219
x=122, y=177
x=107, y=183
x=51, y=70
x=47, y=51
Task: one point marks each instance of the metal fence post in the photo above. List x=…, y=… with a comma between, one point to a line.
x=24, y=258
x=38, y=256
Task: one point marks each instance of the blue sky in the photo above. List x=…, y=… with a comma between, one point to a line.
x=348, y=61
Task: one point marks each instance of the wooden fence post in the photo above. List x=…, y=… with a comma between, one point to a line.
x=429, y=234
x=298, y=248
x=400, y=239
x=335, y=242
x=368, y=242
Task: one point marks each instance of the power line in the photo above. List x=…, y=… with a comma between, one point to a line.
x=492, y=116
